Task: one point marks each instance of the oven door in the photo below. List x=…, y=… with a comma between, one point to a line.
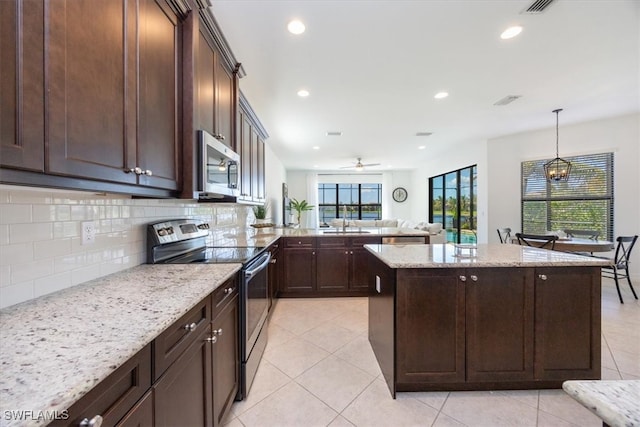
x=255, y=300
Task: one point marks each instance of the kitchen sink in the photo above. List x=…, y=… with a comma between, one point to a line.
x=346, y=232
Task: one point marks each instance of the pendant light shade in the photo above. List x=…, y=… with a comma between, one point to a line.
x=557, y=169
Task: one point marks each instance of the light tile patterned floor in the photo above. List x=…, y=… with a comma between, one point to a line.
x=319, y=370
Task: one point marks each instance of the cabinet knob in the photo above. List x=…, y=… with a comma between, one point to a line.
x=190, y=327
x=220, y=137
x=463, y=278
x=542, y=276
x=351, y=252
x=474, y=278
x=93, y=422
x=228, y=290
x=147, y=172
x=217, y=331
x=346, y=252
x=212, y=340
x=273, y=261
x=313, y=253
x=136, y=170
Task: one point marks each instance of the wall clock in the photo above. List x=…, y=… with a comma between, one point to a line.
x=399, y=194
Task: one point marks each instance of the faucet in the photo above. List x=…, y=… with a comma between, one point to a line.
x=344, y=218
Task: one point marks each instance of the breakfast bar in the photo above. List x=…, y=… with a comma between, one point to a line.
x=485, y=317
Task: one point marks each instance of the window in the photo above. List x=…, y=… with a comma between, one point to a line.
x=453, y=203
x=363, y=201
x=584, y=202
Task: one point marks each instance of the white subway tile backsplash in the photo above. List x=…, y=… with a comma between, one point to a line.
x=40, y=235
x=53, y=283
x=19, y=233
x=16, y=214
x=31, y=270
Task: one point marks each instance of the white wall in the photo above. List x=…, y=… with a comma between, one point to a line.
x=276, y=175
x=620, y=135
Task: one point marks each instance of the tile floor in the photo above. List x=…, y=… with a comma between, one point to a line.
x=319, y=370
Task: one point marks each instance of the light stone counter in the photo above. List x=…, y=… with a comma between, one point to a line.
x=265, y=236
x=486, y=255
x=617, y=403
x=56, y=348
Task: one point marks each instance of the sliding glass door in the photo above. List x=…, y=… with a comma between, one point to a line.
x=453, y=203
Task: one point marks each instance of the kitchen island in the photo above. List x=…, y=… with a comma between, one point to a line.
x=447, y=317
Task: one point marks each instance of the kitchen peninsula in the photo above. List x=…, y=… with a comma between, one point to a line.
x=447, y=317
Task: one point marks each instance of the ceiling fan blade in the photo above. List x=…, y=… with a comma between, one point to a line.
x=372, y=164
x=347, y=167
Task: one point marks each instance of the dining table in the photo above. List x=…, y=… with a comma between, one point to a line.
x=574, y=244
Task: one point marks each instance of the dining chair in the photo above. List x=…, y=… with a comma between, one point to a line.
x=544, y=241
x=620, y=266
x=589, y=234
x=505, y=235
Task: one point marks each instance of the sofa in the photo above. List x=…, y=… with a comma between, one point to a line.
x=436, y=233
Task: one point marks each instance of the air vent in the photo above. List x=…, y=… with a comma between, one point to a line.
x=538, y=6
x=334, y=133
x=424, y=133
x=507, y=100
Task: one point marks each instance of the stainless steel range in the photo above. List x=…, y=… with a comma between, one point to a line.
x=184, y=241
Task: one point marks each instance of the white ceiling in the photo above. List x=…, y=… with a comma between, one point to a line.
x=373, y=68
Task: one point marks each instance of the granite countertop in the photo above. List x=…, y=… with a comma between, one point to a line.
x=56, y=348
x=266, y=236
x=615, y=402
x=485, y=255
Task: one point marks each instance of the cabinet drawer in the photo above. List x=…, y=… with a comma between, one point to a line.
x=170, y=344
x=365, y=240
x=224, y=294
x=333, y=242
x=115, y=395
x=300, y=242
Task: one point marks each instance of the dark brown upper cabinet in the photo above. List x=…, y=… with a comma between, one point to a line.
x=251, y=147
x=112, y=95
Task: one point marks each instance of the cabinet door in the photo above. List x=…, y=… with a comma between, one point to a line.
x=204, y=91
x=22, y=84
x=245, y=158
x=430, y=326
x=332, y=269
x=499, y=323
x=183, y=394
x=260, y=172
x=159, y=48
x=225, y=99
x=359, y=279
x=299, y=270
x=225, y=359
x=567, y=327
x=140, y=415
x=91, y=111
x=255, y=142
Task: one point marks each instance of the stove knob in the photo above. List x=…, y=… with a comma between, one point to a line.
x=162, y=232
x=169, y=230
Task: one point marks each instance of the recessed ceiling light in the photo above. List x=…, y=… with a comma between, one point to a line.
x=334, y=133
x=303, y=93
x=421, y=147
x=441, y=95
x=511, y=32
x=423, y=133
x=315, y=166
x=296, y=27
x=315, y=147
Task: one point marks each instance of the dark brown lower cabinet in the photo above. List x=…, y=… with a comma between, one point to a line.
x=225, y=360
x=183, y=394
x=299, y=271
x=332, y=269
x=140, y=415
x=485, y=328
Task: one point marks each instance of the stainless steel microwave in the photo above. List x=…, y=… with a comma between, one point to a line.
x=218, y=170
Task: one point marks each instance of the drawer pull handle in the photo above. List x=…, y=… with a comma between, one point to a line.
x=228, y=290
x=463, y=278
x=217, y=332
x=191, y=326
x=93, y=422
x=212, y=340
x=542, y=276
x=474, y=278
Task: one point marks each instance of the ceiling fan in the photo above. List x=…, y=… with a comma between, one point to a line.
x=358, y=166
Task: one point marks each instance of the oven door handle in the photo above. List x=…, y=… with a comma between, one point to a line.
x=263, y=264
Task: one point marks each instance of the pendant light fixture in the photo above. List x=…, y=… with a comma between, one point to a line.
x=557, y=169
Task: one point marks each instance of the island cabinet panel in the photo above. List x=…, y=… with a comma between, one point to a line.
x=116, y=395
x=499, y=323
x=22, y=84
x=183, y=394
x=430, y=326
x=567, y=328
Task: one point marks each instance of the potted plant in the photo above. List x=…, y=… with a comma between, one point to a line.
x=260, y=212
x=300, y=206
